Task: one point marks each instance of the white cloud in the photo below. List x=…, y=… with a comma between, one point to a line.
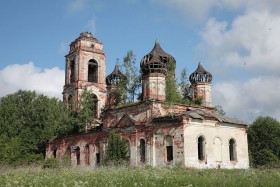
x=248, y=48
x=28, y=77
x=91, y=25
x=199, y=10
x=76, y=6
x=258, y=96
x=250, y=42
x=255, y=5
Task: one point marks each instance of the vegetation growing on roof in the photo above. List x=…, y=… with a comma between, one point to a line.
x=132, y=74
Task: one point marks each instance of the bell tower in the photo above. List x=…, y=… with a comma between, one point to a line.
x=85, y=69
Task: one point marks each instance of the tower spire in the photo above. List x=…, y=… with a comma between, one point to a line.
x=157, y=42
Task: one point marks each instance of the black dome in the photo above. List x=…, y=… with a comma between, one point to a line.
x=156, y=61
x=115, y=76
x=200, y=75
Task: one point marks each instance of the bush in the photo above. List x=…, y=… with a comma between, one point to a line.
x=54, y=163
x=198, y=101
x=51, y=163
x=264, y=142
x=117, y=150
x=266, y=158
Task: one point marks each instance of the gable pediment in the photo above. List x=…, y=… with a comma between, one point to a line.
x=125, y=121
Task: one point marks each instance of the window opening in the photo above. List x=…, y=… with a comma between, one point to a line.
x=201, y=148
x=70, y=102
x=128, y=150
x=72, y=71
x=92, y=71
x=68, y=153
x=95, y=107
x=87, y=155
x=78, y=155
x=232, y=150
x=142, y=150
x=97, y=155
x=54, y=153
x=169, y=148
x=97, y=158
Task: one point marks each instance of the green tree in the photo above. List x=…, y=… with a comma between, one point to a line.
x=70, y=121
x=27, y=121
x=119, y=91
x=198, y=100
x=171, y=91
x=87, y=109
x=264, y=141
x=184, y=86
x=219, y=109
x=117, y=148
x=132, y=74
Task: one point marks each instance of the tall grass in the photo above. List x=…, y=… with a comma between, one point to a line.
x=132, y=177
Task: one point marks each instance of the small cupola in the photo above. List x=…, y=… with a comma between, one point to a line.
x=201, y=86
x=155, y=61
x=114, y=97
x=200, y=75
x=115, y=77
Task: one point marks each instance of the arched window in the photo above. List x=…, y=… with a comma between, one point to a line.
x=142, y=150
x=54, y=153
x=128, y=149
x=70, y=102
x=169, y=148
x=72, y=71
x=78, y=155
x=97, y=154
x=67, y=153
x=87, y=155
x=95, y=105
x=92, y=71
x=201, y=148
x=232, y=150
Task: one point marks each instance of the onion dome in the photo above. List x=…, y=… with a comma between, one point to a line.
x=115, y=77
x=156, y=61
x=200, y=75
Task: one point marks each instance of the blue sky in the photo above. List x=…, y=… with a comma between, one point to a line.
x=41, y=31
x=237, y=41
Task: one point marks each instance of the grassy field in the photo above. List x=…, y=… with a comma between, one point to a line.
x=132, y=177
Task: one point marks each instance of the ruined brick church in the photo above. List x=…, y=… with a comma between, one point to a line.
x=157, y=135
